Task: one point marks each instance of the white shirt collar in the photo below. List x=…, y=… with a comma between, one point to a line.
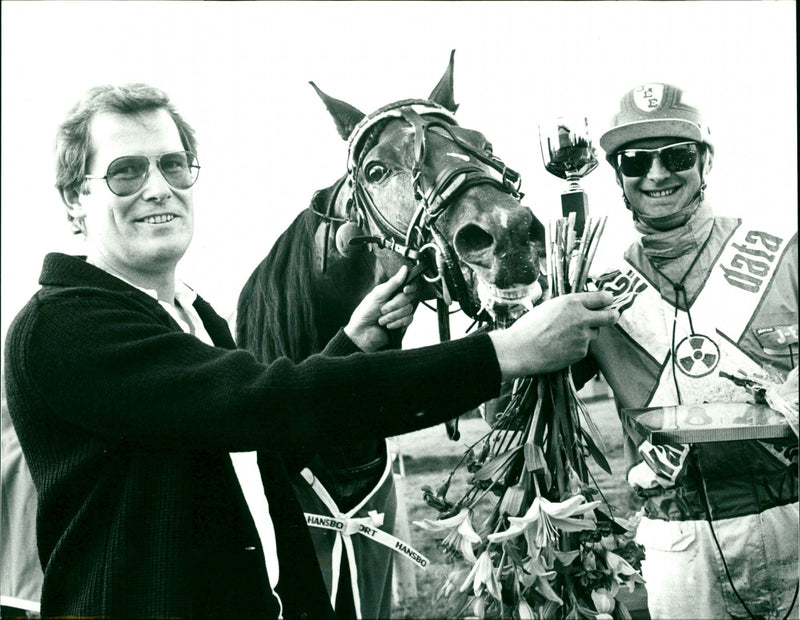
x=188, y=320
x=184, y=295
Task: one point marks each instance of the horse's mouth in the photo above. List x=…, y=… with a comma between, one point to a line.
x=511, y=302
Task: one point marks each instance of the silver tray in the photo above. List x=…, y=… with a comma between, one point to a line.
x=705, y=423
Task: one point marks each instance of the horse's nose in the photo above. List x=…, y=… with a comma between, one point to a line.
x=476, y=241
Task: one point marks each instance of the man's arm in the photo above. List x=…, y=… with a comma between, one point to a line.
x=553, y=335
x=102, y=363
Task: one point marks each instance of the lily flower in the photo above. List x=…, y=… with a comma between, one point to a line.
x=524, y=610
x=544, y=518
x=535, y=573
x=604, y=603
x=482, y=577
x=479, y=607
x=452, y=582
x=565, y=557
x=461, y=535
x=624, y=573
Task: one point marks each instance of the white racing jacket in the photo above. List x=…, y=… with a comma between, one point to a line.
x=742, y=316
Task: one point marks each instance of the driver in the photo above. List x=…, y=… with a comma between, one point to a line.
x=700, y=296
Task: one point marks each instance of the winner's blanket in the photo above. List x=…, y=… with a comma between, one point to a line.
x=363, y=537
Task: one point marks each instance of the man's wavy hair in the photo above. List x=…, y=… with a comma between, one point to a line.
x=73, y=149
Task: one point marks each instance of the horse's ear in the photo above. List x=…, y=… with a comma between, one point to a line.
x=344, y=115
x=443, y=93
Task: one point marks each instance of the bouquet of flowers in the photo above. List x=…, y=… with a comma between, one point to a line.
x=532, y=536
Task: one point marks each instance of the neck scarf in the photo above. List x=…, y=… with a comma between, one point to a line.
x=661, y=246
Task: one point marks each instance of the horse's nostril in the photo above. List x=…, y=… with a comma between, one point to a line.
x=472, y=238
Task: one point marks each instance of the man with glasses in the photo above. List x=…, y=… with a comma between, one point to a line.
x=128, y=396
x=702, y=299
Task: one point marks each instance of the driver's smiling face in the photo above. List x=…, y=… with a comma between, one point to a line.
x=150, y=230
x=661, y=192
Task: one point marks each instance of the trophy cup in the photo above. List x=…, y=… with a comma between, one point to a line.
x=568, y=153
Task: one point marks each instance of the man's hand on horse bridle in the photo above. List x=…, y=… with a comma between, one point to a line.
x=389, y=305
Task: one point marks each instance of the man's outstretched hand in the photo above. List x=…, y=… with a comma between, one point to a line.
x=553, y=335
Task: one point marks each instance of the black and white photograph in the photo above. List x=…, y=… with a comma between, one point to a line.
x=399, y=309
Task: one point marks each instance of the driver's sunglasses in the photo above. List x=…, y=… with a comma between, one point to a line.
x=674, y=157
x=127, y=175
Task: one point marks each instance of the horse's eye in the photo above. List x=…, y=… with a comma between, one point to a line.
x=375, y=171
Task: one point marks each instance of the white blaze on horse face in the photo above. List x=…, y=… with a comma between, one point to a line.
x=459, y=156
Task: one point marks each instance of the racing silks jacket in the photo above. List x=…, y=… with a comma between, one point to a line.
x=742, y=315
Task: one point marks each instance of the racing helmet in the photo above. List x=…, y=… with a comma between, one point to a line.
x=654, y=110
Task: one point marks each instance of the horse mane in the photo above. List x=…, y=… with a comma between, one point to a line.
x=288, y=307
x=275, y=307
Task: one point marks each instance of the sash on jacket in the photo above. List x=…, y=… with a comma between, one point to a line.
x=720, y=315
x=642, y=357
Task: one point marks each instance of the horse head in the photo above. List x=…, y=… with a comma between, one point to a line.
x=420, y=188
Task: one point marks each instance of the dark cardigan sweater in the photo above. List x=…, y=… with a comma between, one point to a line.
x=126, y=423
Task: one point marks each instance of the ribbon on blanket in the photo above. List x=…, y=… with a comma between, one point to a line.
x=369, y=527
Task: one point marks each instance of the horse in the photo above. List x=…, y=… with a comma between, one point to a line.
x=419, y=190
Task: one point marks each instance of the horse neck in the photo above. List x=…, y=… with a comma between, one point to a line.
x=289, y=307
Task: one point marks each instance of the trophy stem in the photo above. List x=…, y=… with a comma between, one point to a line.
x=575, y=200
x=573, y=185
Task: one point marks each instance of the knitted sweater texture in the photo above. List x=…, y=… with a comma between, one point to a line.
x=126, y=423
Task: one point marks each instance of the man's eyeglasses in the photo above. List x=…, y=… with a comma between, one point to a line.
x=674, y=157
x=127, y=175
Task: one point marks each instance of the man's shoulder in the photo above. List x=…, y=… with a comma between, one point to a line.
x=776, y=241
x=783, y=230
x=58, y=303
x=65, y=277
x=68, y=271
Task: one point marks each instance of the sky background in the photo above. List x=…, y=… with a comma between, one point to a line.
x=239, y=74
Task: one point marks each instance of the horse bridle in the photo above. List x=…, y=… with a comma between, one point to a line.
x=422, y=234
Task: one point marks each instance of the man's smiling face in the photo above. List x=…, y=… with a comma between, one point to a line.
x=660, y=192
x=150, y=230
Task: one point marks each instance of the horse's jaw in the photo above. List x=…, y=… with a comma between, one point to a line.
x=508, y=304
